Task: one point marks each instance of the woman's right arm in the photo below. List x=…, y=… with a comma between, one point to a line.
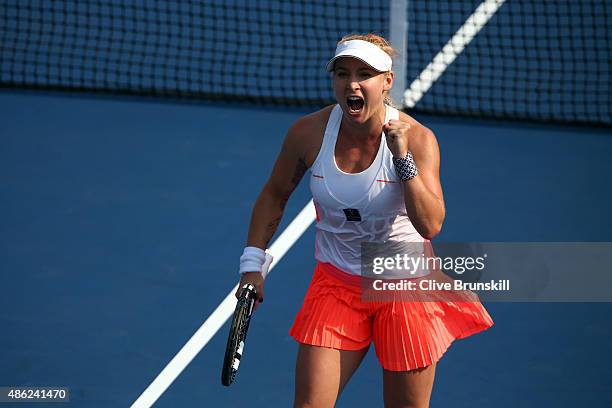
x=269, y=207
x=289, y=168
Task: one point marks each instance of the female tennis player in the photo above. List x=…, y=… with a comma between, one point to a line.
x=374, y=178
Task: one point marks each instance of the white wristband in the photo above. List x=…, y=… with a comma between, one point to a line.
x=255, y=259
x=266, y=265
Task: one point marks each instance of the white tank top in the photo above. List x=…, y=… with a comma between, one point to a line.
x=357, y=207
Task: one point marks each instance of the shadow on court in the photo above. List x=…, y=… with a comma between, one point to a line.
x=123, y=221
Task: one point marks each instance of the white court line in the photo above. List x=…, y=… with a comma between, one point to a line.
x=307, y=216
x=214, y=322
x=450, y=51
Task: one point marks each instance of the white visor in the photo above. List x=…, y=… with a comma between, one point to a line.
x=365, y=51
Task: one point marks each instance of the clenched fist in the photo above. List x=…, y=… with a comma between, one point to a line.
x=397, y=134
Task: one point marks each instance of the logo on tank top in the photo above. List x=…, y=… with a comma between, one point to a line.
x=352, y=214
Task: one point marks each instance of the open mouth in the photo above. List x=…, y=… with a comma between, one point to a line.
x=355, y=103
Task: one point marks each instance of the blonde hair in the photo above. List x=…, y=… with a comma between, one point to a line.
x=383, y=44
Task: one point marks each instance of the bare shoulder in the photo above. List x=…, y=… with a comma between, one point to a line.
x=312, y=122
x=422, y=139
x=306, y=134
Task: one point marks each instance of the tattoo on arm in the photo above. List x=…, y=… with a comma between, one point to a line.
x=271, y=228
x=284, y=200
x=298, y=173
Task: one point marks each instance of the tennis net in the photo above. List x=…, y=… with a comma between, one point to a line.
x=546, y=61
x=532, y=60
x=257, y=51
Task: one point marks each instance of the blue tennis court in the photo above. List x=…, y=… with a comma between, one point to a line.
x=132, y=151
x=123, y=222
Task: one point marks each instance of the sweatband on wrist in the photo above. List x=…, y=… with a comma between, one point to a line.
x=255, y=259
x=405, y=167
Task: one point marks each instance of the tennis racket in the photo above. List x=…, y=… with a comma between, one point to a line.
x=237, y=334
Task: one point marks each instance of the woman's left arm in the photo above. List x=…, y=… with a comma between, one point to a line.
x=422, y=194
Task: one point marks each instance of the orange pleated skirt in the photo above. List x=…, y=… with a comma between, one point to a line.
x=407, y=334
